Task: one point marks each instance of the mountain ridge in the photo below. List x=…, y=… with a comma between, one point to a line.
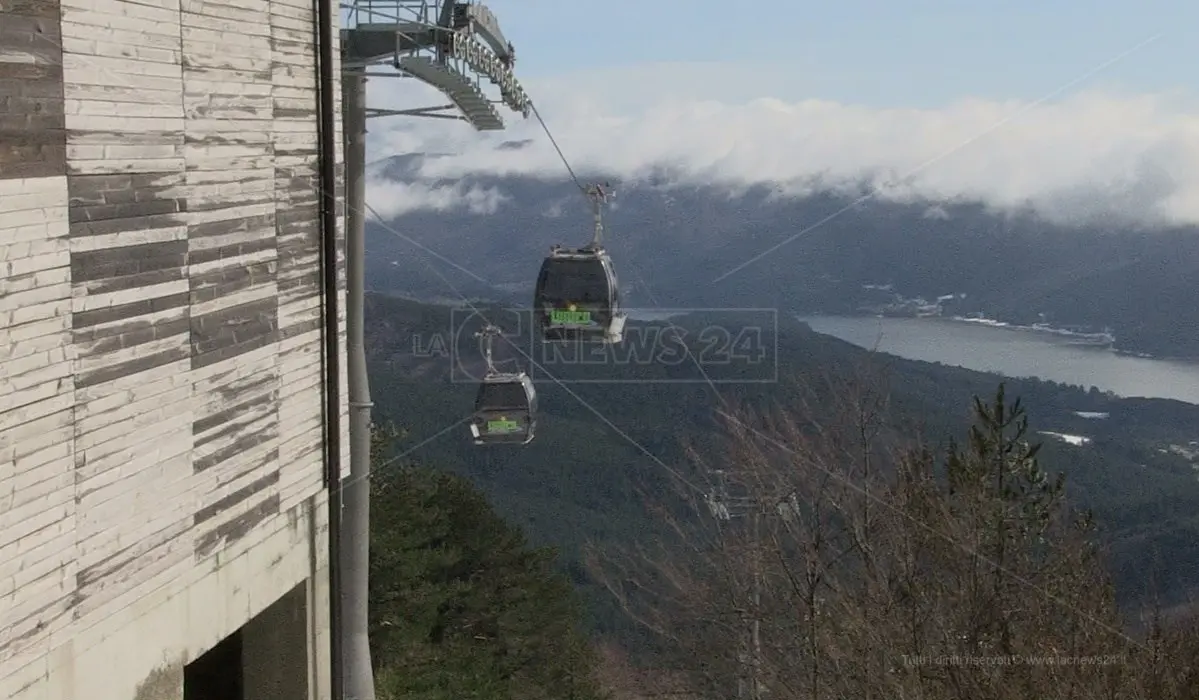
x=675, y=245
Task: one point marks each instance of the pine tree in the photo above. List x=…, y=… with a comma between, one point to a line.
x=461, y=606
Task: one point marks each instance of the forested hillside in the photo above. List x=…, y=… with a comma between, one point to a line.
x=602, y=445
x=1078, y=544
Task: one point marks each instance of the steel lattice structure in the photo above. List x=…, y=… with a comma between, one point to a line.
x=452, y=46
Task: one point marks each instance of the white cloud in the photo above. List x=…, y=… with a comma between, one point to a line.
x=936, y=212
x=556, y=210
x=1084, y=155
x=392, y=199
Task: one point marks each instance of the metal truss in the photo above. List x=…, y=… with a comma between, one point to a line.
x=449, y=45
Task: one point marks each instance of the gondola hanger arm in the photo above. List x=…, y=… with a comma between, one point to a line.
x=598, y=194
x=486, y=334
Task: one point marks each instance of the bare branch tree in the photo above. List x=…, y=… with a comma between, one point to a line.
x=833, y=557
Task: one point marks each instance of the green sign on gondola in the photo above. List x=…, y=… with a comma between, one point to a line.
x=570, y=317
x=503, y=425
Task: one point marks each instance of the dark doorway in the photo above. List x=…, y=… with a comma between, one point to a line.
x=217, y=673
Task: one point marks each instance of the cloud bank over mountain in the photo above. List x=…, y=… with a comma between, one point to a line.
x=1075, y=158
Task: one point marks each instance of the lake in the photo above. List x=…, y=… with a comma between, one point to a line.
x=1015, y=354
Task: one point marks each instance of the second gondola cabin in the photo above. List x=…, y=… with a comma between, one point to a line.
x=578, y=297
x=505, y=410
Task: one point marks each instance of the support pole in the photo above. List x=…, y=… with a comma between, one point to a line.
x=350, y=633
x=756, y=630
x=360, y=684
x=326, y=83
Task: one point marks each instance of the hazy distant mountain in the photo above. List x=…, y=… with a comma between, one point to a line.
x=671, y=244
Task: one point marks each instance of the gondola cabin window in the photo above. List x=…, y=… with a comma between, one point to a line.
x=506, y=395
x=579, y=282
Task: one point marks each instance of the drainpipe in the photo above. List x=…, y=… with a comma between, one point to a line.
x=355, y=569
x=327, y=135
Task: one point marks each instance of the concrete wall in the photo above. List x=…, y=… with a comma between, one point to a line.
x=160, y=339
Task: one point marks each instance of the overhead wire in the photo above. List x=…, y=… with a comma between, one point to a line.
x=727, y=414
x=419, y=245
x=152, y=588
x=676, y=328
x=314, y=184
x=533, y=363
x=565, y=161
x=574, y=177
x=570, y=169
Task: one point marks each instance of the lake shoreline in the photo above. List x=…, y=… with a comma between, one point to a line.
x=997, y=324
x=1014, y=352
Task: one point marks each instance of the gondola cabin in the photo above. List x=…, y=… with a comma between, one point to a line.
x=578, y=297
x=505, y=410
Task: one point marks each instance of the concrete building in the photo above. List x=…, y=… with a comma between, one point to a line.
x=163, y=517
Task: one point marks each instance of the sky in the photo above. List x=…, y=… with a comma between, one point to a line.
x=1079, y=108
x=883, y=53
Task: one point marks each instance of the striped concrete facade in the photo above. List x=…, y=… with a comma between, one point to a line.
x=160, y=340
